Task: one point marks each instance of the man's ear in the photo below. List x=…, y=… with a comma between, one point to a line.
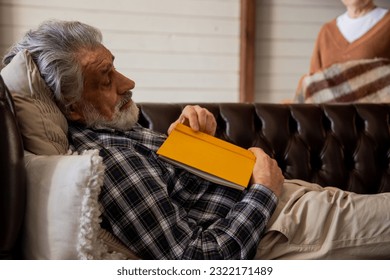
x=74, y=113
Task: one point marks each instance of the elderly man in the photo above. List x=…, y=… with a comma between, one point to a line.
x=163, y=212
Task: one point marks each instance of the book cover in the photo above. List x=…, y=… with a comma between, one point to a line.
x=209, y=157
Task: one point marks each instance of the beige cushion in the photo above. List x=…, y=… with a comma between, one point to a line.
x=63, y=213
x=44, y=128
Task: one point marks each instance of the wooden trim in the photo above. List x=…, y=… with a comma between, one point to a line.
x=247, y=50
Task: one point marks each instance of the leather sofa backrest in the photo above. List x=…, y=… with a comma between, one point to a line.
x=12, y=178
x=341, y=145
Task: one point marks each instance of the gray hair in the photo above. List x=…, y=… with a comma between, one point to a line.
x=54, y=47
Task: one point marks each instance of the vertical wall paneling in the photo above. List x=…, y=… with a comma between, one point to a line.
x=247, y=50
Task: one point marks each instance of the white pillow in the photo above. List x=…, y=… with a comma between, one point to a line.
x=63, y=214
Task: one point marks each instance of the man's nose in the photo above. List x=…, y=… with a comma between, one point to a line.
x=124, y=84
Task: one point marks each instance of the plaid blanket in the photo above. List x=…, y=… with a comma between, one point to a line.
x=366, y=80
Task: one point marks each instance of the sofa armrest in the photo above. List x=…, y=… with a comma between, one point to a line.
x=12, y=178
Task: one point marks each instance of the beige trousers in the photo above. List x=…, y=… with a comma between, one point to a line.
x=312, y=222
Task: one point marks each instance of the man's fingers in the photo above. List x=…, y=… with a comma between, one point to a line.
x=199, y=119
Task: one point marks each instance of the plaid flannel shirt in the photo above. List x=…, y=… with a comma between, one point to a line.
x=163, y=212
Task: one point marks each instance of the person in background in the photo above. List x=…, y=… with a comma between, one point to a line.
x=161, y=211
x=362, y=32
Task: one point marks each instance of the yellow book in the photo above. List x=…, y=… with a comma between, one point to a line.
x=209, y=157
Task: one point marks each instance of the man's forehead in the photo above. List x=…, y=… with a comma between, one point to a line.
x=97, y=58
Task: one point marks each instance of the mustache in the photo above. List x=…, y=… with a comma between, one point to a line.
x=125, y=98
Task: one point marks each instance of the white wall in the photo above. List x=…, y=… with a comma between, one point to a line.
x=175, y=50
x=188, y=50
x=286, y=31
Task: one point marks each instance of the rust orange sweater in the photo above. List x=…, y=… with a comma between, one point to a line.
x=331, y=46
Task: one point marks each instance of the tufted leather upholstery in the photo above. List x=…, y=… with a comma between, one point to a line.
x=341, y=145
x=12, y=177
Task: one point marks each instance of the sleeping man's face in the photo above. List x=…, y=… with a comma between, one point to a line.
x=107, y=98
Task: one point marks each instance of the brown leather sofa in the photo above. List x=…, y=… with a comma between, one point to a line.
x=344, y=145
x=12, y=178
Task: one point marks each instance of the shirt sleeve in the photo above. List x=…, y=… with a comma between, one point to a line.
x=137, y=204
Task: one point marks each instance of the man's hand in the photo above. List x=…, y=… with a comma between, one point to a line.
x=267, y=172
x=198, y=118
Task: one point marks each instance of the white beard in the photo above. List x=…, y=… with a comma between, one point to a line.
x=122, y=119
